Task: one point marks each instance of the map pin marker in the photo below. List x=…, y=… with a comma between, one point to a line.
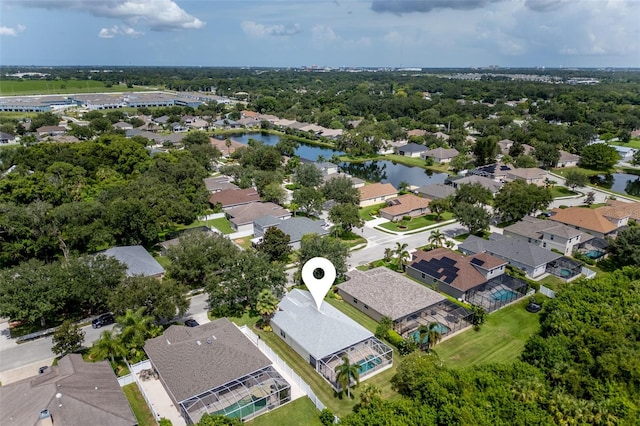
x=318, y=287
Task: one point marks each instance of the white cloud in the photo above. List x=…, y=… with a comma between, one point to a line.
x=119, y=30
x=253, y=29
x=321, y=33
x=158, y=15
x=8, y=31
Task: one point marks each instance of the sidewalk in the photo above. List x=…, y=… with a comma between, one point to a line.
x=416, y=231
x=24, y=372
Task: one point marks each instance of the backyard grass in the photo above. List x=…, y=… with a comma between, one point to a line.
x=416, y=222
x=300, y=412
x=222, y=224
x=52, y=87
x=139, y=405
x=244, y=242
x=561, y=191
x=633, y=143
x=562, y=171
x=501, y=339
x=401, y=159
x=365, y=212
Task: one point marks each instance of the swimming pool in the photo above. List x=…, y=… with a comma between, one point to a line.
x=440, y=328
x=594, y=254
x=504, y=295
x=565, y=273
x=369, y=363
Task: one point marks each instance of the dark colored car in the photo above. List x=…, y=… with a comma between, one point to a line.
x=102, y=320
x=191, y=323
x=42, y=369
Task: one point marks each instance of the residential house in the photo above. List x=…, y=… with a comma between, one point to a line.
x=452, y=273
x=7, y=139
x=495, y=171
x=243, y=217
x=331, y=133
x=435, y=191
x=547, y=234
x=505, y=145
x=626, y=153
x=50, y=131
x=416, y=132
x=441, y=135
x=567, y=159
x=226, y=151
x=379, y=293
x=179, y=127
x=485, y=182
x=218, y=183
x=326, y=168
x=441, y=155
x=621, y=207
x=123, y=125
x=412, y=150
x=226, y=124
x=294, y=227
x=322, y=337
x=376, y=193
x=531, y=175
x=71, y=393
x=229, y=198
x=356, y=182
x=137, y=260
x=529, y=257
x=405, y=205
x=601, y=222
x=215, y=369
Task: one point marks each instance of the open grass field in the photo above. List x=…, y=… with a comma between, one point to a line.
x=300, y=412
x=139, y=405
x=222, y=224
x=52, y=87
x=417, y=222
x=500, y=339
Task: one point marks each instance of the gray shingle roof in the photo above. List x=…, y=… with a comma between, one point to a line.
x=435, y=191
x=389, y=293
x=191, y=360
x=412, y=147
x=532, y=228
x=511, y=249
x=137, y=259
x=90, y=394
x=297, y=227
x=319, y=333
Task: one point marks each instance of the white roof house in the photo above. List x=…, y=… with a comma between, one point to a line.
x=322, y=337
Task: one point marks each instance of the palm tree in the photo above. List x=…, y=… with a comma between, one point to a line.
x=109, y=345
x=267, y=305
x=135, y=327
x=402, y=255
x=431, y=333
x=227, y=142
x=403, y=186
x=370, y=394
x=437, y=238
x=345, y=372
x=388, y=254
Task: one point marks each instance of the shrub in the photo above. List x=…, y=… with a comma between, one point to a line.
x=394, y=338
x=406, y=218
x=326, y=417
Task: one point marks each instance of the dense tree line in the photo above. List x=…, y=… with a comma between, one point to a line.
x=77, y=198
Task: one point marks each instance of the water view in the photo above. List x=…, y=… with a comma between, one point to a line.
x=623, y=183
x=373, y=171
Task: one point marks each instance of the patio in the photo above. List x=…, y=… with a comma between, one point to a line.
x=565, y=268
x=450, y=316
x=497, y=292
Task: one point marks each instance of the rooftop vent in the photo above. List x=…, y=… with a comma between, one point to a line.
x=198, y=342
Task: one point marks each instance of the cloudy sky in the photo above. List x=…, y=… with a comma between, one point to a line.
x=275, y=33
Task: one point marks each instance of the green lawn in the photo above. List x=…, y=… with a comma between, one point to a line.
x=562, y=171
x=417, y=222
x=401, y=159
x=222, y=224
x=139, y=405
x=501, y=338
x=633, y=143
x=561, y=191
x=365, y=212
x=51, y=87
x=300, y=412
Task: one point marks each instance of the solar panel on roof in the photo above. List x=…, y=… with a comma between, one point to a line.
x=505, y=167
x=477, y=261
x=448, y=261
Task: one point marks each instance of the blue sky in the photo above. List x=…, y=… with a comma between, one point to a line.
x=282, y=33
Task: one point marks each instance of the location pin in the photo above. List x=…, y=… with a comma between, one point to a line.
x=318, y=287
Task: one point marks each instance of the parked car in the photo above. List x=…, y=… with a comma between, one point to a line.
x=42, y=369
x=191, y=323
x=102, y=320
